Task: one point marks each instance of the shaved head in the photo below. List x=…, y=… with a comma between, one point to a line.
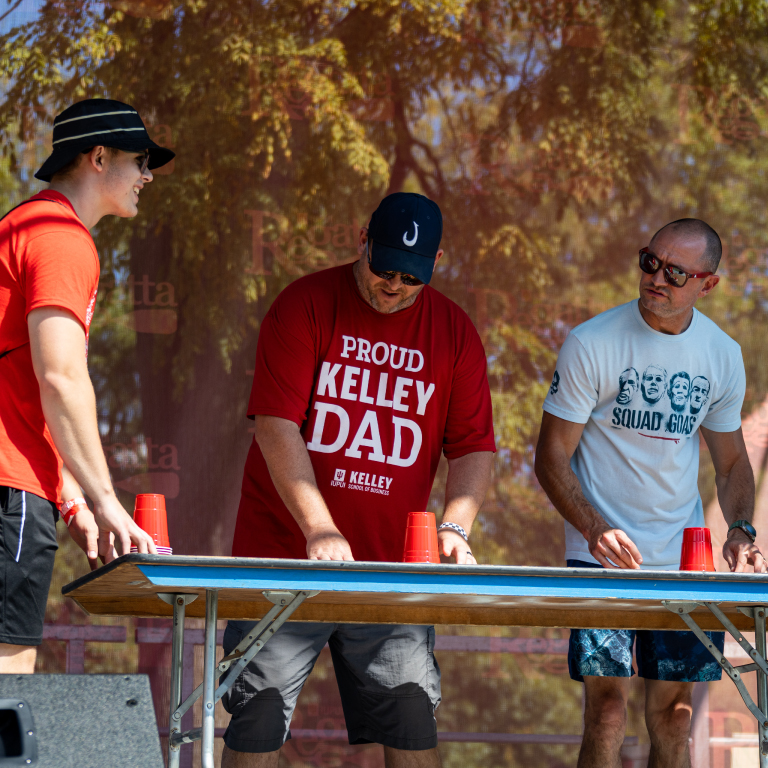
x=696, y=229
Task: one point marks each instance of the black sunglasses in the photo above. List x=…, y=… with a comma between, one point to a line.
x=651, y=264
x=142, y=166
x=406, y=279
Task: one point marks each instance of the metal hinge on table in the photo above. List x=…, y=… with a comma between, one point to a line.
x=285, y=603
x=758, y=655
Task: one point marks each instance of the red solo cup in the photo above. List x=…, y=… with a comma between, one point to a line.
x=421, y=538
x=149, y=514
x=697, y=550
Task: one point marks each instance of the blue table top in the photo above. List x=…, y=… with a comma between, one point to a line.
x=512, y=593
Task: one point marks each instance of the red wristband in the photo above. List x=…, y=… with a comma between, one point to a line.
x=70, y=508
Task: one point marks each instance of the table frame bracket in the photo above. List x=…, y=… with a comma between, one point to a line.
x=758, y=655
x=228, y=669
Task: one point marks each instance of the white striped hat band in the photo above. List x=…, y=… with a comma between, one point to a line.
x=97, y=133
x=58, y=122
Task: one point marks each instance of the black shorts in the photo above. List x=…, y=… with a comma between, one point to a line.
x=387, y=674
x=28, y=536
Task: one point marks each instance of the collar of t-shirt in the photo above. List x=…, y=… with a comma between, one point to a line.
x=672, y=338
x=58, y=197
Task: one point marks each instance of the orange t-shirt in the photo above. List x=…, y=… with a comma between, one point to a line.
x=47, y=259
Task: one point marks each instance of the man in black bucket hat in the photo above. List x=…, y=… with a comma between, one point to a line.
x=49, y=439
x=99, y=122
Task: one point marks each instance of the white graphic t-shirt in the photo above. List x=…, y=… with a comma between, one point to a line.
x=643, y=396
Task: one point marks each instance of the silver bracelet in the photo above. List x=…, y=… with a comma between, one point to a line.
x=455, y=527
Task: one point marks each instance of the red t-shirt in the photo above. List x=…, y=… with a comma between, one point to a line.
x=47, y=259
x=377, y=398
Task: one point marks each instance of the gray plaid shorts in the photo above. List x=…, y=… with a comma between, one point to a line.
x=387, y=674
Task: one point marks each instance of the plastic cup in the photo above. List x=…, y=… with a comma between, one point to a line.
x=697, y=550
x=421, y=538
x=149, y=514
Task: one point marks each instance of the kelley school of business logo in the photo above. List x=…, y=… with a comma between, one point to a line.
x=362, y=481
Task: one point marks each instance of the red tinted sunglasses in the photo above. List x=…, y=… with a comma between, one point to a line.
x=651, y=264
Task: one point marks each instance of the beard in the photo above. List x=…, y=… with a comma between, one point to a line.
x=403, y=302
x=661, y=308
x=370, y=293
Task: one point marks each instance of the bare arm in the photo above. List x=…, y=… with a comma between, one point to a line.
x=736, y=493
x=57, y=343
x=558, y=439
x=468, y=480
x=291, y=471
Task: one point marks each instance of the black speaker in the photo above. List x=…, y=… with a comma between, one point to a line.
x=78, y=721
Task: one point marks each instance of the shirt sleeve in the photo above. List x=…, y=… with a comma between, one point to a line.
x=724, y=415
x=61, y=269
x=285, y=361
x=469, y=426
x=573, y=393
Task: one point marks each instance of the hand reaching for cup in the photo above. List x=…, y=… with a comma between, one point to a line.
x=452, y=544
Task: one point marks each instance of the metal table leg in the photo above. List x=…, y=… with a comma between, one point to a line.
x=179, y=603
x=758, y=655
x=284, y=603
x=762, y=684
x=209, y=676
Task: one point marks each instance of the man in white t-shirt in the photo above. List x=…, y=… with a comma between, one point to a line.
x=618, y=456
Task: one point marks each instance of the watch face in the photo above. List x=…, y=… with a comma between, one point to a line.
x=746, y=527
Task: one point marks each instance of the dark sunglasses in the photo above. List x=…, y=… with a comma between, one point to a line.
x=391, y=274
x=651, y=264
x=143, y=165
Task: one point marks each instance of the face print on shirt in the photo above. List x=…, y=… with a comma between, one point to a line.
x=679, y=390
x=629, y=383
x=699, y=394
x=653, y=384
x=669, y=407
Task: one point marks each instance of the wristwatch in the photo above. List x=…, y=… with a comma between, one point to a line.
x=748, y=528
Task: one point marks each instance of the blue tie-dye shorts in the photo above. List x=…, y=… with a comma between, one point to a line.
x=676, y=656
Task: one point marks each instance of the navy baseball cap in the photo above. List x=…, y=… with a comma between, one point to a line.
x=99, y=122
x=406, y=230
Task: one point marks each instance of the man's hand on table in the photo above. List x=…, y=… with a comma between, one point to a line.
x=612, y=548
x=91, y=539
x=110, y=516
x=328, y=545
x=452, y=544
x=739, y=552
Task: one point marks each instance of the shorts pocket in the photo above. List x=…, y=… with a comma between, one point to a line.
x=233, y=700
x=433, y=671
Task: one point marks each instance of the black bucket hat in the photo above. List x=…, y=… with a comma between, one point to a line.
x=406, y=230
x=99, y=122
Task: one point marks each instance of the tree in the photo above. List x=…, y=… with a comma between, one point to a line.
x=556, y=135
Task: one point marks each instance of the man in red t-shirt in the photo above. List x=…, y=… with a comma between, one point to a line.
x=49, y=273
x=364, y=376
